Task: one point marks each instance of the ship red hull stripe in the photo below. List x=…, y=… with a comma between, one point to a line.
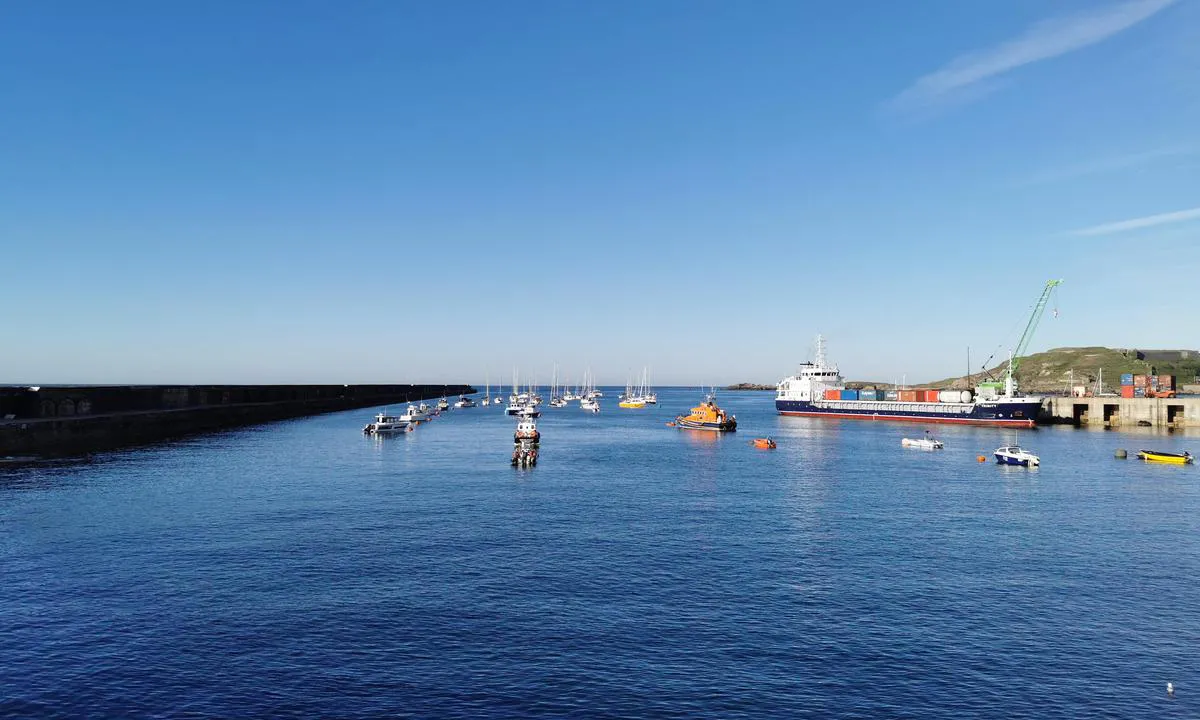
x=912, y=418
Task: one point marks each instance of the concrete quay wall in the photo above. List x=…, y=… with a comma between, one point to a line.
x=59, y=421
x=1118, y=412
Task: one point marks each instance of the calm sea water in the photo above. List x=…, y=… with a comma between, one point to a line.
x=300, y=569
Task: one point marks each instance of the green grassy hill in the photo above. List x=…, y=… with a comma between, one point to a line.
x=1050, y=371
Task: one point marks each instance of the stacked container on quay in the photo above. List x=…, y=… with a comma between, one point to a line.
x=818, y=390
x=1149, y=386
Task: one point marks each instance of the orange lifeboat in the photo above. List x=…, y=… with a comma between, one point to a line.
x=707, y=416
x=764, y=443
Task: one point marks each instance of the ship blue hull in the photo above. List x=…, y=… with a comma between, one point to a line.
x=1012, y=414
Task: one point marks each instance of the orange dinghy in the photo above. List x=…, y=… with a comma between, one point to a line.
x=764, y=443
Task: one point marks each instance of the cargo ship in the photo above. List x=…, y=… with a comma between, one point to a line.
x=818, y=390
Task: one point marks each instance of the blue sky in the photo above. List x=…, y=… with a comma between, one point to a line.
x=390, y=192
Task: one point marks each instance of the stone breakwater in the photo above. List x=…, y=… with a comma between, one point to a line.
x=74, y=420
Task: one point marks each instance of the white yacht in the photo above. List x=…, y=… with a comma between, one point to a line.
x=385, y=423
x=464, y=402
x=1014, y=455
x=414, y=414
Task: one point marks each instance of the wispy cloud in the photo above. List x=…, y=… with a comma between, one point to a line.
x=1110, y=164
x=1041, y=41
x=1139, y=223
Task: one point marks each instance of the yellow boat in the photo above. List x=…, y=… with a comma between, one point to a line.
x=1163, y=457
x=635, y=403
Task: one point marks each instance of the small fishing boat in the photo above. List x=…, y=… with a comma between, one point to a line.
x=1182, y=458
x=529, y=411
x=926, y=443
x=591, y=405
x=464, y=402
x=764, y=443
x=527, y=431
x=1014, y=455
x=707, y=416
x=385, y=424
x=443, y=404
x=415, y=414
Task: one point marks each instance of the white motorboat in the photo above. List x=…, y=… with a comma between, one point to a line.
x=925, y=443
x=529, y=411
x=589, y=404
x=464, y=402
x=415, y=414
x=497, y=400
x=1015, y=455
x=385, y=424
x=557, y=402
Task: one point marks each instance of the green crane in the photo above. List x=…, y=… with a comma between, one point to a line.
x=1014, y=361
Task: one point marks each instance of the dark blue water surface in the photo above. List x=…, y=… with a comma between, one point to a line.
x=300, y=569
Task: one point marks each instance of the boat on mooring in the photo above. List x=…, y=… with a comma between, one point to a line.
x=926, y=443
x=443, y=404
x=707, y=416
x=1015, y=455
x=1183, y=458
x=416, y=413
x=385, y=424
x=464, y=402
x=527, y=430
x=526, y=439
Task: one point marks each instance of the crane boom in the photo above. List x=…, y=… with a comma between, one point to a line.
x=1031, y=326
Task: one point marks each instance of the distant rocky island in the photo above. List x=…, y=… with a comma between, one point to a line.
x=749, y=386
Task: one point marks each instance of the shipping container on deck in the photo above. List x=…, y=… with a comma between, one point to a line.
x=1139, y=391
x=908, y=396
x=868, y=394
x=1127, y=379
x=1127, y=391
x=1139, y=381
x=833, y=394
x=891, y=395
x=849, y=395
x=1166, y=382
x=928, y=396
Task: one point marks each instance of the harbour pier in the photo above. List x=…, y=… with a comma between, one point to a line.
x=1116, y=412
x=74, y=420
